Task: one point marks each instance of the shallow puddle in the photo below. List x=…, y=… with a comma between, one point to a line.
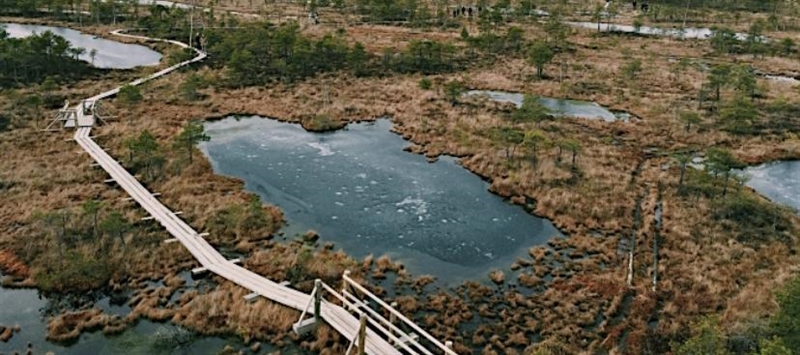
x=571, y=108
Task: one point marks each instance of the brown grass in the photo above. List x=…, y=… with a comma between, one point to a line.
x=225, y=311
x=68, y=326
x=497, y=276
x=701, y=268
x=6, y=333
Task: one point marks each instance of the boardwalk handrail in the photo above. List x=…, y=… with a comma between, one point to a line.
x=357, y=304
x=397, y=313
x=310, y=299
x=354, y=306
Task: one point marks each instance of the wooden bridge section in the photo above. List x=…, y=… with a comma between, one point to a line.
x=358, y=318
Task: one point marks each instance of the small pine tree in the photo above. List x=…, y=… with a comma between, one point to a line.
x=425, y=84
x=189, y=87
x=539, y=55
x=129, y=95
x=453, y=89
x=192, y=134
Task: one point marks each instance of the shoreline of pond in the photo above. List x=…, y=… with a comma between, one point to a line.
x=525, y=208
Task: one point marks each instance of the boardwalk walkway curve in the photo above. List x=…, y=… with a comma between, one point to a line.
x=378, y=339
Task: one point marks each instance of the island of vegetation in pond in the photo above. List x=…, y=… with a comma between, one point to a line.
x=637, y=236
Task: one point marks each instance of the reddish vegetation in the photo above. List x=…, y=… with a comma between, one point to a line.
x=11, y=265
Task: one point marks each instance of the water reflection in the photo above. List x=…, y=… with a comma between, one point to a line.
x=572, y=108
x=779, y=181
x=359, y=189
x=110, y=54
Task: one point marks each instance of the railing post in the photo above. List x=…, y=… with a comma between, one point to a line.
x=344, y=287
x=392, y=316
x=362, y=334
x=449, y=344
x=344, y=281
x=317, y=298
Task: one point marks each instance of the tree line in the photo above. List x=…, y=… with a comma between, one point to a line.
x=743, y=5
x=96, y=11
x=263, y=53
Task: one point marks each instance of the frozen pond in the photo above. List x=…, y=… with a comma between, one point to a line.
x=110, y=54
x=779, y=181
x=572, y=108
x=165, y=3
x=783, y=79
x=187, y=6
x=686, y=32
x=360, y=190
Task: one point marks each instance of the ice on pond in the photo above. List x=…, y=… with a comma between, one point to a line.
x=400, y=194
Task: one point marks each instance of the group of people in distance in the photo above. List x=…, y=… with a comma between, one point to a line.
x=466, y=11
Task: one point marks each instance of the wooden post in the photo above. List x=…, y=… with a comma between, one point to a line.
x=317, y=298
x=392, y=316
x=362, y=334
x=449, y=344
x=191, y=25
x=344, y=282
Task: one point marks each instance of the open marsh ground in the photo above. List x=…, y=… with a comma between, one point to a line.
x=609, y=241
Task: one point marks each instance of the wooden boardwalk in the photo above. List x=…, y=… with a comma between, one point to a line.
x=339, y=318
x=336, y=316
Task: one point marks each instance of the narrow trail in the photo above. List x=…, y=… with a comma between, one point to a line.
x=336, y=316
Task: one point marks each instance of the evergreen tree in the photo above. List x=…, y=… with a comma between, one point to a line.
x=531, y=110
x=129, y=95
x=574, y=147
x=786, y=322
x=189, y=87
x=539, y=55
x=91, y=208
x=535, y=140
x=718, y=78
x=453, y=90
x=145, y=153
x=690, y=118
x=192, y=134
